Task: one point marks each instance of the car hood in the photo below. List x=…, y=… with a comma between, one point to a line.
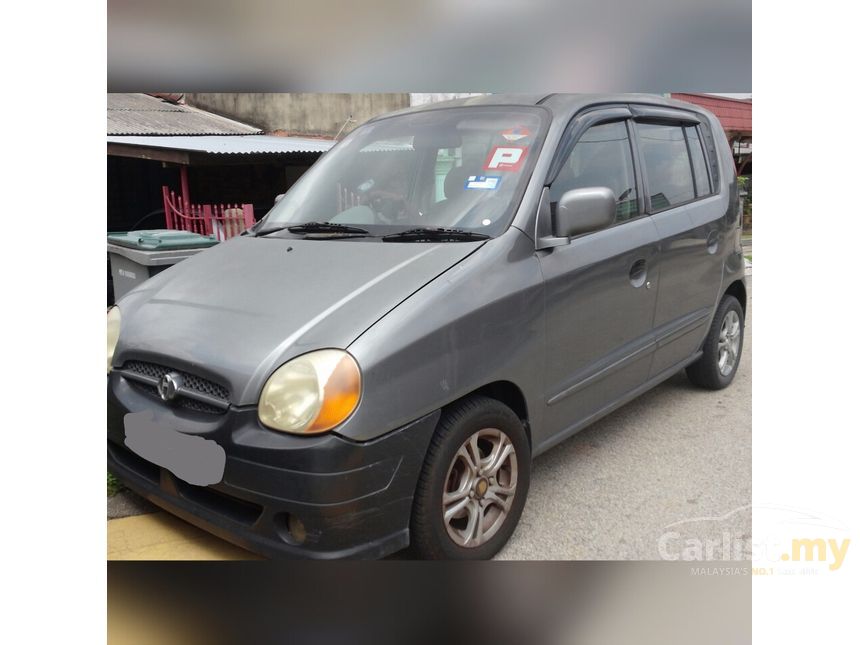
x=237, y=311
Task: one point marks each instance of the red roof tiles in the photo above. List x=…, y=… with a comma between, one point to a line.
x=734, y=114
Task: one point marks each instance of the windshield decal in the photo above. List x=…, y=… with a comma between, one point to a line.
x=508, y=158
x=480, y=182
x=517, y=133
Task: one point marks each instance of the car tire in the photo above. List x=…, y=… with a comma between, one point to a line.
x=721, y=351
x=480, y=522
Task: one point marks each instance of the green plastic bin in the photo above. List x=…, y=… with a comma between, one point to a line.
x=136, y=256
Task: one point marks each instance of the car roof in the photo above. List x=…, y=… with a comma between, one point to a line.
x=562, y=106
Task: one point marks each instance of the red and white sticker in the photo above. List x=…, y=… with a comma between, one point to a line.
x=506, y=158
x=517, y=133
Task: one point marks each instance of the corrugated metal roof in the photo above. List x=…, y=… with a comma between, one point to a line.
x=133, y=114
x=734, y=114
x=235, y=145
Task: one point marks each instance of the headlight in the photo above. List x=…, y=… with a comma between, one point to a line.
x=311, y=393
x=112, y=334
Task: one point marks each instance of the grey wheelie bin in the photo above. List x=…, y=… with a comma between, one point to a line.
x=138, y=255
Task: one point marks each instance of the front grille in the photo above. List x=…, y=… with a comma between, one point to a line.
x=206, y=387
x=199, y=406
x=182, y=402
x=191, y=381
x=151, y=373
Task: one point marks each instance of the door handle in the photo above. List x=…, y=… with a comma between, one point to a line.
x=639, y=273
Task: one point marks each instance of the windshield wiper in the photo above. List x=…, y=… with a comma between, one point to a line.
x=435, y=235
x=325, y=227
x=316, y=227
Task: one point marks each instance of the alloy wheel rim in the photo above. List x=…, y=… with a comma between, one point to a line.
x=729, y=343
x=479, y=487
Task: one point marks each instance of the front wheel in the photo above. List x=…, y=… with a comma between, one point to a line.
x=721, y=352
x=474, y=482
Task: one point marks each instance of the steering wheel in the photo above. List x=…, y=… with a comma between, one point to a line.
x=388, y=207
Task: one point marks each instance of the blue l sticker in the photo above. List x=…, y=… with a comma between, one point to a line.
x=480, y=182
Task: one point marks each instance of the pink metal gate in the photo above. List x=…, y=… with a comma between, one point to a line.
x=221, y=220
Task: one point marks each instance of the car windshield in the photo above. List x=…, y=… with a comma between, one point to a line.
x=454, y=168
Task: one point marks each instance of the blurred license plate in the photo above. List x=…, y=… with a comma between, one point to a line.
x=193, y=459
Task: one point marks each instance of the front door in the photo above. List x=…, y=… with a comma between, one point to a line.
x=600, y=288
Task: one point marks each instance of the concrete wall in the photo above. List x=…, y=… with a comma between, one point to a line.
x=418, y=98
x=318, y=114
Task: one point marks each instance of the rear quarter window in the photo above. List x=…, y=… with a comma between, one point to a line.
x=700, y=165
x=711, y=154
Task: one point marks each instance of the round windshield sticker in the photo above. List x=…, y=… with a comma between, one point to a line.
x=517, y=133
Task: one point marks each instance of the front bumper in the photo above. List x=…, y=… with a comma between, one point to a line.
x=354, y=499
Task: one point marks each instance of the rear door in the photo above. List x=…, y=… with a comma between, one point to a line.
x=680, y=196
x=599, y=297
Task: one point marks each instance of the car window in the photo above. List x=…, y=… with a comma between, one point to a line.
x=667, y=165
x=601, y=158
x=446, y=160
x=707, y=138
x=449, y=168
x=700, y=167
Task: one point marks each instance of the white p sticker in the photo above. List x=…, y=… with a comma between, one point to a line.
x=505, y=158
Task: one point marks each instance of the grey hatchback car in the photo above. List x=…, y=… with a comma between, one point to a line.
x=449, y=292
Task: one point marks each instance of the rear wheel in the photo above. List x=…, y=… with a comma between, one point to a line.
x=721, y=352
x=474, y=482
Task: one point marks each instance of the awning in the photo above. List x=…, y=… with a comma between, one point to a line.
x=185, y=149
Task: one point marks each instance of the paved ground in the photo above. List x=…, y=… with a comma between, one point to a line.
x=675, y=454
x=676, y=462
x=127, y=503
x=161, y=536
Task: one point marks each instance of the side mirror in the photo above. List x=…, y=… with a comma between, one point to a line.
x=583, y=210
